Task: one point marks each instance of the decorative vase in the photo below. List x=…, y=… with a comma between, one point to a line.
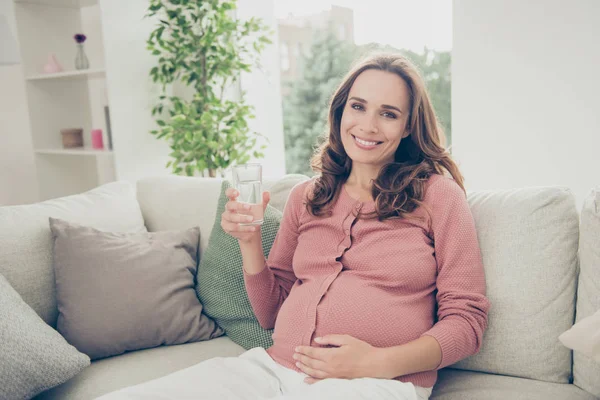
x=52, y=65
x=81, y=60
x=97, y=140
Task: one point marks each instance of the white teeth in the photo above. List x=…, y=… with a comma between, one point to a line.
x=364, y=142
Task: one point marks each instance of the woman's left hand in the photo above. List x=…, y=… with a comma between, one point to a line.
x=351, y=358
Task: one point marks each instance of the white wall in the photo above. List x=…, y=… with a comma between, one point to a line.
x=132, y=93
x=18, y=181
x=526, y=93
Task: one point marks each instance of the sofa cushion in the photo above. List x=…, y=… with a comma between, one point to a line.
x=113, y=373
x=33, y=356
x=454, y=384
x=220, y=284
x=586, y=372
x=280, y=189
x=26, y=241
x=529, y=241
x=119, y=292
x=584, y=337
x=180, y=202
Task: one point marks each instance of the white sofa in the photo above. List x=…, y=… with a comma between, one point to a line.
x=530, y=243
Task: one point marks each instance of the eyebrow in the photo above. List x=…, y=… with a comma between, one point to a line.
x=386, y=106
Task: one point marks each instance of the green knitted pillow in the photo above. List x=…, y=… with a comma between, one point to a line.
x=220, y=280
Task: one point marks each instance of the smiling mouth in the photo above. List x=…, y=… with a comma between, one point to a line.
x=365, y=142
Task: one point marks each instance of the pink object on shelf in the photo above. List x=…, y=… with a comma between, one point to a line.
x=52, y=65
x=97, y=142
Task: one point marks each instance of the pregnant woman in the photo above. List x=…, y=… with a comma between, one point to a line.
x=375, y=279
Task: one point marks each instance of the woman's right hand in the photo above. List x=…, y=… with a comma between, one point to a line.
x=236, y=213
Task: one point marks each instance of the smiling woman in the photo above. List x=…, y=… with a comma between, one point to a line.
x=384, y=139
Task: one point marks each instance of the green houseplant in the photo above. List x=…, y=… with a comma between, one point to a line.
x=201, y=45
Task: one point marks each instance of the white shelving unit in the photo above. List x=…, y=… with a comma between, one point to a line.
x=85, y=151
x=68, y=99
x=78, y=74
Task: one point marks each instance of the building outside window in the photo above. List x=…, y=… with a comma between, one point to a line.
x=342, y=32
x=285, y=56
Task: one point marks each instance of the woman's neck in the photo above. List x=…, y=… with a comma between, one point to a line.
x=359, y=190
x=362, y=179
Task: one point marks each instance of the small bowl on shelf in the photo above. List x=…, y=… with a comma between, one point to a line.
x=72, y=137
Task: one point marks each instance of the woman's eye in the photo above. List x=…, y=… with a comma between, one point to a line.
x=359, y=107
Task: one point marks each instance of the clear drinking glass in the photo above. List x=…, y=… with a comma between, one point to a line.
x=247, y=179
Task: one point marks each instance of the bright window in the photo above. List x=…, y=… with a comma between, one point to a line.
x=336, y=35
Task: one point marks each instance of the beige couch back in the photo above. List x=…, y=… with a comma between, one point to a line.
x=177, y=202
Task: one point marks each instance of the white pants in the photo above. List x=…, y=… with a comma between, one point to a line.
x=253, y=376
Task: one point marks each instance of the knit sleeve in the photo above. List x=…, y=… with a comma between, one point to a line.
x=462, y=305
x=269, y=288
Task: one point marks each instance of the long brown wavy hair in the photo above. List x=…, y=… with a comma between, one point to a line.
x=399, y=187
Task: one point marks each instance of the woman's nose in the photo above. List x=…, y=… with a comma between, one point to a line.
x=369, y=125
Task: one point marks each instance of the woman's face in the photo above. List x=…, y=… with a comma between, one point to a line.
x=376, y=113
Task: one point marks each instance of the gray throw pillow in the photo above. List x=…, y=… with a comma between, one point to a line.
x=33, y=356
x=118, y=292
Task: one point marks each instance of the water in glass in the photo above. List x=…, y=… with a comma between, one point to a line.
x=251, y=193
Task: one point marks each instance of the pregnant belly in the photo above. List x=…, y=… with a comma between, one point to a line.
x=369, y=315
x=374, y=317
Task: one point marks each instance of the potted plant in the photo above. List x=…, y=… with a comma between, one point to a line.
x=201, y=45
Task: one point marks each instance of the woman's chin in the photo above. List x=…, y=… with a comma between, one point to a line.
x=361, y=159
